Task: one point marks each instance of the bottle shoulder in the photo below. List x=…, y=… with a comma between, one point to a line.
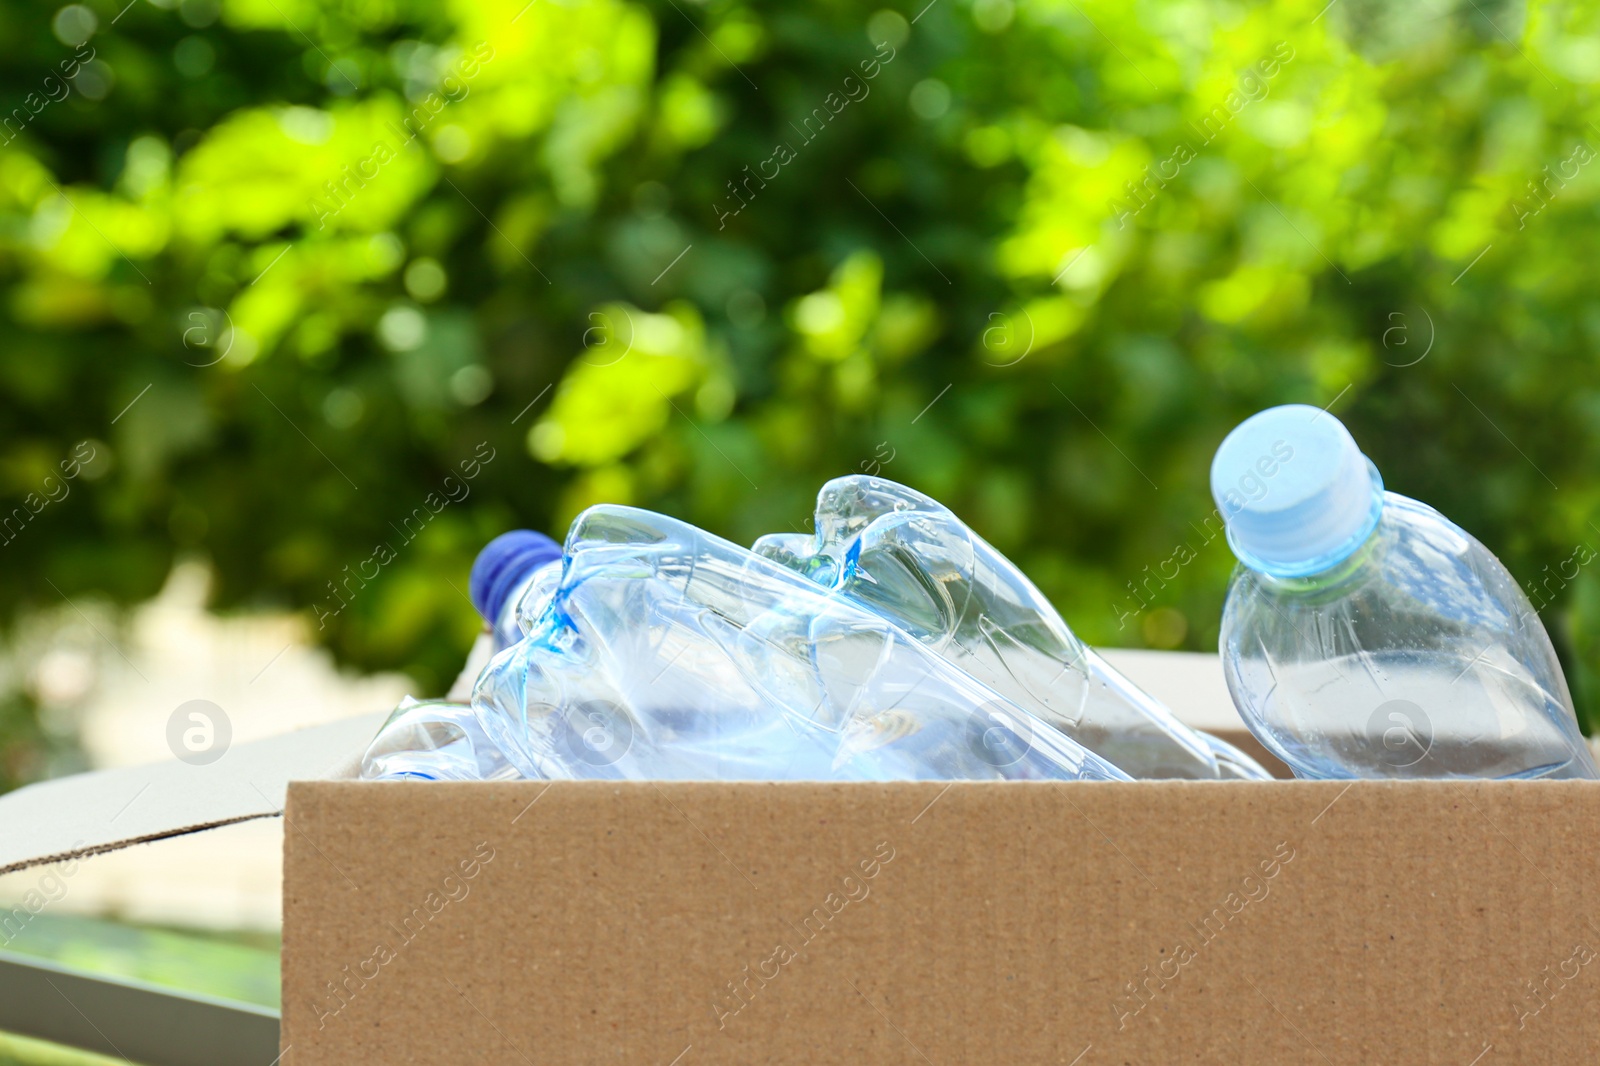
x=1418, y=565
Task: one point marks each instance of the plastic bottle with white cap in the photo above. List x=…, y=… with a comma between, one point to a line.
x=1365, y=634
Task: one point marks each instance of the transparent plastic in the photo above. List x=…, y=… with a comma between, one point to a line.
x=910, y=559
x=1416, y=656
x=664, y=652
x=526, y=604
x=434, y=740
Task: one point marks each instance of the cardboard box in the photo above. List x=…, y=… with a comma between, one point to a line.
x=920, y=923
x=697, y=923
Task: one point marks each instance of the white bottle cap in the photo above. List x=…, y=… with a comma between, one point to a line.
x=1295, y=492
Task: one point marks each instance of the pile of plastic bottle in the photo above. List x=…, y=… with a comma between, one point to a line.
x=1364, y=635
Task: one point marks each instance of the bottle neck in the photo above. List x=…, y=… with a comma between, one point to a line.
x=1335, y=574
x=507, y=629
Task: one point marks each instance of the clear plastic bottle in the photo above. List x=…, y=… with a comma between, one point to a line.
x=909, y=558
x=664, y=652
x=434, y=740
x=438, y=740
x=1365, y=634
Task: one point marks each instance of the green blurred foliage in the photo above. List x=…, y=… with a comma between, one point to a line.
x=1034, y=257
x=242, y=966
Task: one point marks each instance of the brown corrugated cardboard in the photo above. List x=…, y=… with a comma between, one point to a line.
x=1081, y=924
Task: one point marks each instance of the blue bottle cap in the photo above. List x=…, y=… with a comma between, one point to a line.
x=1294, y=490
x=503, y=564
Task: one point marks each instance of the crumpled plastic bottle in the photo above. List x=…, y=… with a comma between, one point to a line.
x=511, y=579
x=664, y=652
x=434, y=740
x=1365, y=634
x=440, y=740
x=909, y=558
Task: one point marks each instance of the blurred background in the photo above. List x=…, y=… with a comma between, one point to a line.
x=303, y=302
